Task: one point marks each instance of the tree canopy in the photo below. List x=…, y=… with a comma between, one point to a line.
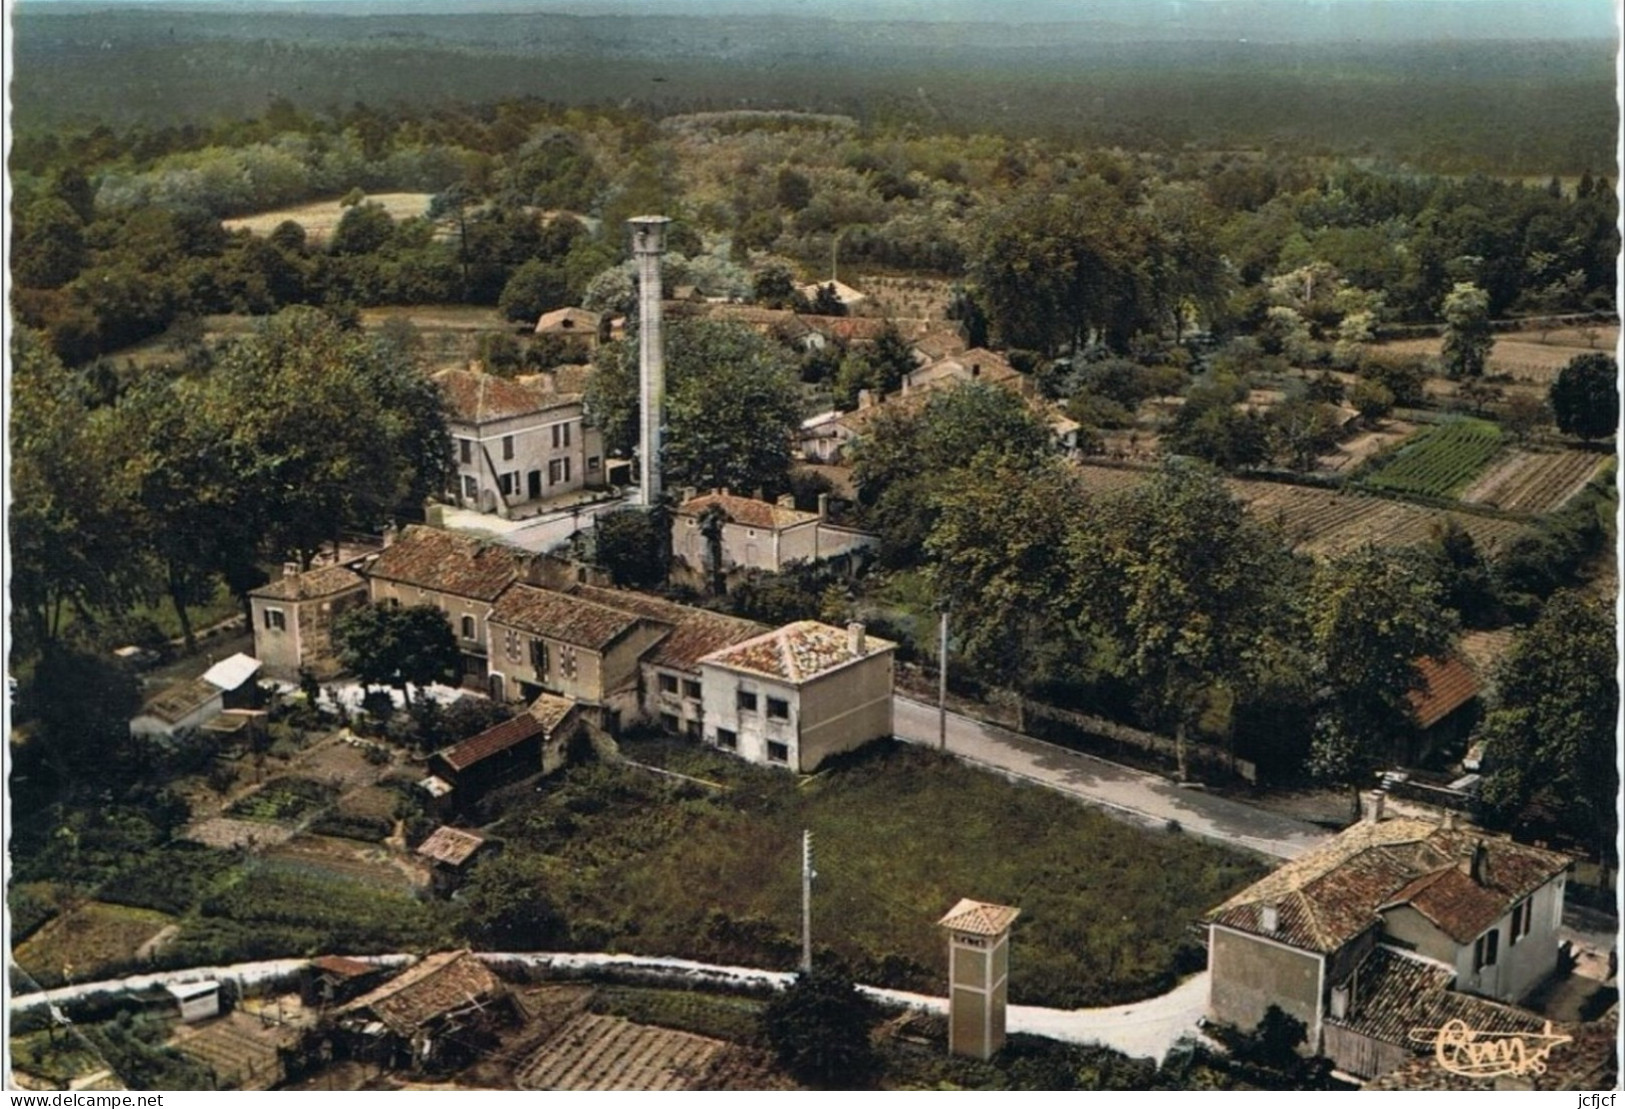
x=1585, y=396
x=387, y=644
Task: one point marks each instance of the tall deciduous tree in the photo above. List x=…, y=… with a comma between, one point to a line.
x=732, y=405
x=1585, y=396
x=1374, y=614
x=1188, y=590
x=1467, y=337
x=328, y=428
x=385, y=644
x=1550, y=739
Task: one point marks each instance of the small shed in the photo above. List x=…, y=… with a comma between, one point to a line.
x=451, y=853
x=197, y=1000
x=441, y=1012
x=234, y=677
x=334, y=979
x=187, y=705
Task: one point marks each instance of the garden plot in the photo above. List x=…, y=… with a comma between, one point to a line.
x=347, y=860
x=288, y=801
x=227, y=833
x=1531, y=356
x=1440, y=461
x=598, y=1052
x=79, y=944
x=1325, y=522
x=241, y=1049
x=1534, y=482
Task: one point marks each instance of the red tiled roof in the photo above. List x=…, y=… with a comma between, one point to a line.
x=344, y=968
x=436, y=985
x=696, y=632
x=492, y=741
x=796, y=652
x=747, y=510
x=1397, y=994
x=979, y=918
x=1329, y=895
x=1459, y=906
x=323, y=582
x=473, y=397
x=1450, y=684
x=445, y=561
x=452, y=846
x=561, y=616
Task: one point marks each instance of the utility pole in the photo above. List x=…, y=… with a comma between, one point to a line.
x=807, y=875
x=942, y=680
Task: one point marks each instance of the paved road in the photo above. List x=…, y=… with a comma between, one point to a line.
x=1133, y=794
x=1146, y=1028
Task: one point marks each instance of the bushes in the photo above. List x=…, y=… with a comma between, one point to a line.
x=172, y=880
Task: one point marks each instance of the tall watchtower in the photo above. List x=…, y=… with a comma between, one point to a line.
x=978, y=970
x=648, y=244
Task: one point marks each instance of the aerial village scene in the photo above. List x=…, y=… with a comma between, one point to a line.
x=727, y=545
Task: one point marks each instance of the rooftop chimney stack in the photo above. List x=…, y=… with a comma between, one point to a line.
x=855, y=639
x=1373, y=805
x=648, y=244
x=1269, y=917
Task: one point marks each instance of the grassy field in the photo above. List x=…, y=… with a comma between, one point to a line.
x=1440, y=461
x=321, y=218
x=78, y=944
x=639, y=863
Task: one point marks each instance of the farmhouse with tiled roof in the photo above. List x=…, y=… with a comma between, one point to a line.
x=1393, y=921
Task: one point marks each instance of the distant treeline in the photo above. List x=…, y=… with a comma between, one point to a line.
x=1504, y=107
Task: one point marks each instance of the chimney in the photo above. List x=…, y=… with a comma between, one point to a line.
x=866, y=399
x=787, y=500
x=761, y=494
x=823, y=506
x=855, y=639
x=390, y=532
x=1476, y=862
x=1449, y=821
x=290, y=569
x=648, y=243
x=689, y=493
x=1269, y=917
x=1373, y=805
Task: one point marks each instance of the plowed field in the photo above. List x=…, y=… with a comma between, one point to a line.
x=1534, y=483
x=597, y=1052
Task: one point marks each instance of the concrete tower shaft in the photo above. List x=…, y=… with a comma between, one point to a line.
x=648, y=244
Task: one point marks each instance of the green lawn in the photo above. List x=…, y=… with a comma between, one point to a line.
x=643, y=864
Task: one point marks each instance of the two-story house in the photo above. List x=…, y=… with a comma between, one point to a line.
x=546, y=641
x=723, y=534
x=797, y=695
x=293, y=620
x=460, y=575
x=670, y=687
x=1389, y=926
x=515, y=444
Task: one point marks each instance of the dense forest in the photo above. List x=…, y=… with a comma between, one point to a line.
x=1444, y=95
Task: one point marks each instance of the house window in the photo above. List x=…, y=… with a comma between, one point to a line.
x=507, y=447
x=1522, y=919
x=670, y=722
x=276, y=620
x=1486, y=949
x=538, y=655
x=668, y=684
x=777, y=709
x=506, y=483
x=468, y=627
x=510, y=643
x=691, y=690
x=558, y=471
x=567, y=662
x=465, y=451
x=471, y=488
x=777, y=752
x=693, y=729
x=561, y=436
x=593, y=463
x=747, y=701
x=728, y=741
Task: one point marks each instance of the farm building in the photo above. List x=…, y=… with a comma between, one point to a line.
x=333, y=980
x=440, y=1013
x=536, y=741
x=178, y=708
x=1446, y=706
x=451, y=854
x=749, y=533
x=234, y=677
x=195, y=1000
